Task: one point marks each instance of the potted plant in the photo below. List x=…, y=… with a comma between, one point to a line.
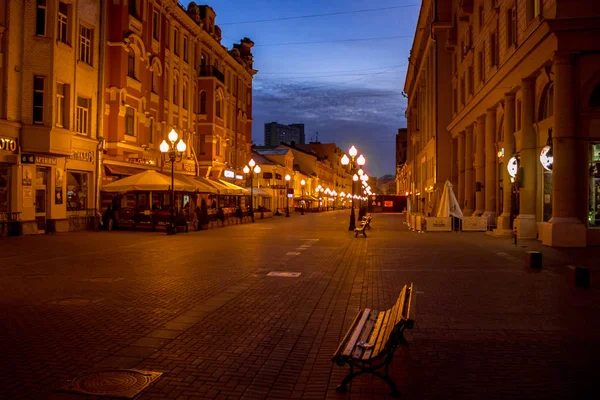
x=181, y=222
x=202, y=215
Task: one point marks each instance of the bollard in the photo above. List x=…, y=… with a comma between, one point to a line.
x=534, y=259
x=515, y=234
x=578, y=276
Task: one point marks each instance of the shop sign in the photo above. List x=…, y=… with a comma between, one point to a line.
x=239, y=177
x=546, y=158
x=439, y=224
x=513, y=166
x=142, y=161
x=82, y=155
x=8, y=144
x=228, y=174
x=35, y=159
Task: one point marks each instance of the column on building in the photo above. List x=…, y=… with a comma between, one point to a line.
x=509, y=150
x=461, y=169
x=490, y=186
x=526, y=221
x=566, y=229
x=480, y=166
x=469, y=191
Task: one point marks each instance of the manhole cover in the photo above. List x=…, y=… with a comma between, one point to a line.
x=126, y=383
x=284, y=274
x=102, y=280
x=74, y=301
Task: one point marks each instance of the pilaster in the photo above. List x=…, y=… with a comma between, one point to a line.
x=490, y=166
x=469, y=193
x=504, y=223
x=480, y=166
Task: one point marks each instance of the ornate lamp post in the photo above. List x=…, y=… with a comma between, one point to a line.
x=302, y=183
x=252, y=169
x=353, y=162
x=287, y=195
x=174, y=151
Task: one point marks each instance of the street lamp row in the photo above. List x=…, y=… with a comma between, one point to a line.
x=174, y=150
x=354, y=161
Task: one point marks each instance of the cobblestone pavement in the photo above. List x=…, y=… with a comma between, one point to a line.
x=200, y=308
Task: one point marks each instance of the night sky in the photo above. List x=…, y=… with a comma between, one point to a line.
x=349, y=90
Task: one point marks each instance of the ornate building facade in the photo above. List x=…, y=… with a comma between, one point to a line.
x=524, y=79
x=167, y=69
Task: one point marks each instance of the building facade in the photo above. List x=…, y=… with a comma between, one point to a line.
x=276, y=134
x=525, y=88
x=401, y=157
x=48, y=111
x=167, y=69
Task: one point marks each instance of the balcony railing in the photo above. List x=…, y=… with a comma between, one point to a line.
x=211, y=70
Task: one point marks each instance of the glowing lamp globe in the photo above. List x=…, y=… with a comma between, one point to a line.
x=164, y=146
x=257, y=169
x=173, y=136
x=353, y=152
x=345, y=160
x=355, y=178
x=181, y=147
x=251, y=163
x=246, y=169
x=288, y=177
x=361, y=160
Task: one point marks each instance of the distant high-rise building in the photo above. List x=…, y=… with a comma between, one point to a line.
x=275, y=134
x=401, y=146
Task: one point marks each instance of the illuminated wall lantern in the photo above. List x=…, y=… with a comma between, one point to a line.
x=546, y=157
x=501, y=153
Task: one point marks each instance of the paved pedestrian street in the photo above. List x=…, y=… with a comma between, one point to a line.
x=201, y=308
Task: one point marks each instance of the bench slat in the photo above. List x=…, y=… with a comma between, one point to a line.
x=375, y=334
x=364, y=335
x=391, y=322
x=400, y=304
x=357, y=330
x=381, y=337
x=347, y=335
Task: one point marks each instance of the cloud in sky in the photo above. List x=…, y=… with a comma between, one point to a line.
x=364, y=116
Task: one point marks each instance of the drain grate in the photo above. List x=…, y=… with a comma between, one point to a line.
x=284, y=274
x=100, y=279
x=125, y=383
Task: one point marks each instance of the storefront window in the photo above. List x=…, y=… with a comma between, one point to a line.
x=77, y=190
x=547, y=195
x=4, y=188
x=594, y=170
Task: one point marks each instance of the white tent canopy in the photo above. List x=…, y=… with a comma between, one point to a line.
x=448, y=205
x=148, y=180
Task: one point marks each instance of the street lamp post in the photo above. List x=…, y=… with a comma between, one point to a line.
x=353, y=162
x=287, y=195
x=253, y=169
x=302, y=183
x=175, y=152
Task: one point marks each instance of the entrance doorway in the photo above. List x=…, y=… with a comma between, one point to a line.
x=41, y=197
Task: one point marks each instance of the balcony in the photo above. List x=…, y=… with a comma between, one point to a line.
x=211, y=70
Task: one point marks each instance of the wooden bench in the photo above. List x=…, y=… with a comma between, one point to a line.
x=373, y=337
x=367, y=221
x=360, y=229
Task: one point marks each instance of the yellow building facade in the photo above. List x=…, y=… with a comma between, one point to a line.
x=524, y=83
x=48, y=112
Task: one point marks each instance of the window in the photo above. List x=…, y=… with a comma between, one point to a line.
x=218, y=146
x=493, y=50
x=154, y=81
x=83, y=115
x=40, y=18
x=594, y=168
x=595, y=97
x=130, y=121
x=151, y=131
x=481, y=16
x=530, y=9
x=481, y=56
x=218, y=105
x=85, y=44
x=471, y=80
x=185, y=49
x=166, y=94
x=455, y=100
x=60, y=105
x=176, y=42
x=38, y=99
x=201, y=149
x=167, y=30
x=175, y=92
x=185, y=95
x=203, y=102
x=462, y=91
x=511, y=27
x=63, y=22
x=195, y=100
x=77, y=190
x=547, y=103
x=135, y=9
x=155, y=25
x=131, y=64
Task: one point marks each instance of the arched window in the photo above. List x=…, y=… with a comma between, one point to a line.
x=131, y=64
x=547, y=102
x=154, y=81
x=185, y=93
x=175, y=92
x=218, y=105
x=595, y=98
x=203, y=102
x=166, y=93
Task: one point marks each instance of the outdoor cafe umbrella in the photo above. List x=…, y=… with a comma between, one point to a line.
x=448, y=205
x=149, y=180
